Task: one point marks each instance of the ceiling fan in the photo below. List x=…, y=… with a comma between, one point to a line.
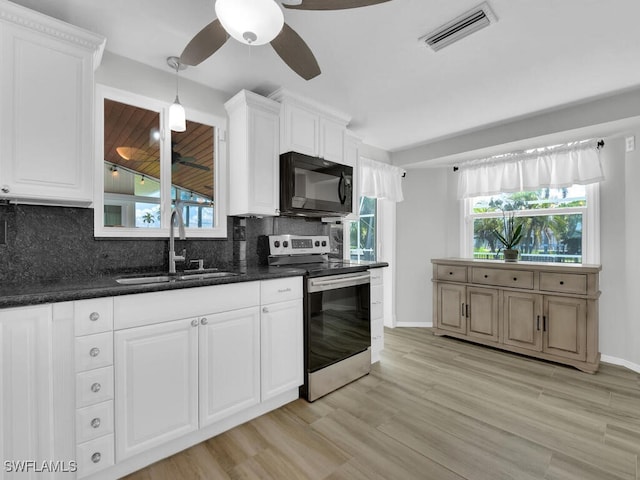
x=177, y=159
x=256, y=22
x=138, y=155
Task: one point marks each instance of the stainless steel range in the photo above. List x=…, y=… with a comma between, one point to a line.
x=337, y=323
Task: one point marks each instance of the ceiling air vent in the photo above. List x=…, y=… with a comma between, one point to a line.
x=458, y=28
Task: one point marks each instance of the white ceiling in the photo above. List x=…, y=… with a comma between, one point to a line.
x=539, y=55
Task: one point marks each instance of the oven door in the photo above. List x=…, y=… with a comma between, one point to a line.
x=338, y=323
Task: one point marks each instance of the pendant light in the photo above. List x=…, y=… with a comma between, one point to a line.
x=252, y=22
x=177, y=120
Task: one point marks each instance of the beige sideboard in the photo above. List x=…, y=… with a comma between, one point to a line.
x=544, y=310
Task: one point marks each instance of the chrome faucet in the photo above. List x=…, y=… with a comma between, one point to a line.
x=173, y=258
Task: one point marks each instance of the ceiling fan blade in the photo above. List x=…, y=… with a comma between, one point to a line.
x=333, y=4
x=204, y=44
x=295, y=52
x=195, y=165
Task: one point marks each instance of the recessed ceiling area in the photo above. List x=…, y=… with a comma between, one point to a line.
x=539, y=55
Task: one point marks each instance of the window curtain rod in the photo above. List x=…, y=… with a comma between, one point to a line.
x=599, y=145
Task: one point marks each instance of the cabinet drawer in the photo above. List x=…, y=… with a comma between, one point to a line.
x=94, y=455
x=502, y=278
x=280, y=290
x=563, y=282
x=94, y=421
x=452, y=273
x=375, y=276
x=93, y=316
x=94, y=351
x=377, y=305
x=94, y=386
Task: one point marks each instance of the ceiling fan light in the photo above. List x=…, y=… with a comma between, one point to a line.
x=177, y=117
x=253, y=22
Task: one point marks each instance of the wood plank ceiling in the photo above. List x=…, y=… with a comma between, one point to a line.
x=131, y=141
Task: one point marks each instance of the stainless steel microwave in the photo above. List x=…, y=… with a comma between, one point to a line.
x=314, y=187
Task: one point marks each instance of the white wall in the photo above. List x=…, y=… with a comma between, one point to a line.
x=428, y=224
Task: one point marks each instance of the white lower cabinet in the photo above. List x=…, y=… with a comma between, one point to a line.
x=229, y=363
x=156, y=385
x=377, y=313
x=282, y=355
x=26, y=387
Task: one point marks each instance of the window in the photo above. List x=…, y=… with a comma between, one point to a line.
x=557, y=224
x=362, y=232
x=146, y=170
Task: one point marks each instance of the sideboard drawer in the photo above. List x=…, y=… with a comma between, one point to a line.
x=563, y=282
x=95, y=455
x=502, y=278
x=453, y=273
x=94, y=351
x=94, y=386
x=94, y=421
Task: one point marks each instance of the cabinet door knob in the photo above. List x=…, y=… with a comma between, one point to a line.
x=194, y=322
x=450, y=273
x=95, y=458
x=265, y=310
x=515, y=279
x=94, y=352
x=95, y=423
x=204, y=321
x=561, y=282
x=95, y=388
x=94, y=316
x=5, y=189
x=486, y=276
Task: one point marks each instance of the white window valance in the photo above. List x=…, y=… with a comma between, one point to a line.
x=379, y=180
x=550, y=167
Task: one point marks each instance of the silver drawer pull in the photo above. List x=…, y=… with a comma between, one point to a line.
x=95, y=388
x=204, y=321
x=194, y=322
x=284, y=290
x=95, y=458
x=94, y=316
x=94, y=352
x=95, y=423
x=265, y=310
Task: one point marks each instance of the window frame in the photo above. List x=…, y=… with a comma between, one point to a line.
x=219, y=168
x=590, y=223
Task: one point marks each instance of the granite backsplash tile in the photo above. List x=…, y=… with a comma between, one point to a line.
x=46, y=243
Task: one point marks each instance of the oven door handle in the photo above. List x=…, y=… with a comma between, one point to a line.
x=316, y=284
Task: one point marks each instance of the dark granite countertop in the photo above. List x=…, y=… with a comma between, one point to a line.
x=14, y=295
x=33, y=293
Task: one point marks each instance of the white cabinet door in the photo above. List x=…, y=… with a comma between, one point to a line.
x=282, y=347
x=26, y=386
x=46, y=119
x=254, y=142
x=156, y=372
x=229, y=363
x=332, y=140
x=301, y=128
x=377, y=313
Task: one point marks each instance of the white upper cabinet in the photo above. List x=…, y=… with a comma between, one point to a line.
x=310, y=128
x=46, y=108
x=254, y=155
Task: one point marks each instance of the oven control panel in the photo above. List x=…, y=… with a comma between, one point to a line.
x=298, y=244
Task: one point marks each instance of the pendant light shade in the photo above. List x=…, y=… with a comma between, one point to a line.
x=253, y=22
x=177, y=116
x=177, y=119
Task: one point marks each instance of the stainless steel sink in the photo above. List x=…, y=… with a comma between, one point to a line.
x=203, y=276
x=144, y=280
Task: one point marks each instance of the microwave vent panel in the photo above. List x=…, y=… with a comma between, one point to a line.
x=470, y=22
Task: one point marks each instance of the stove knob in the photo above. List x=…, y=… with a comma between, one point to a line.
x=285, y=244
x=324, y=243
x=276, y=244
x=317, y=243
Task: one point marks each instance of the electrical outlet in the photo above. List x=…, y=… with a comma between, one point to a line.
x=630, y=143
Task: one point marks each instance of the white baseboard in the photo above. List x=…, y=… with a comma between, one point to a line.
x=415, y=324
x=620, y=361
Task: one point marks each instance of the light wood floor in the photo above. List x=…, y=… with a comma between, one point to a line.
x=438, y=408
